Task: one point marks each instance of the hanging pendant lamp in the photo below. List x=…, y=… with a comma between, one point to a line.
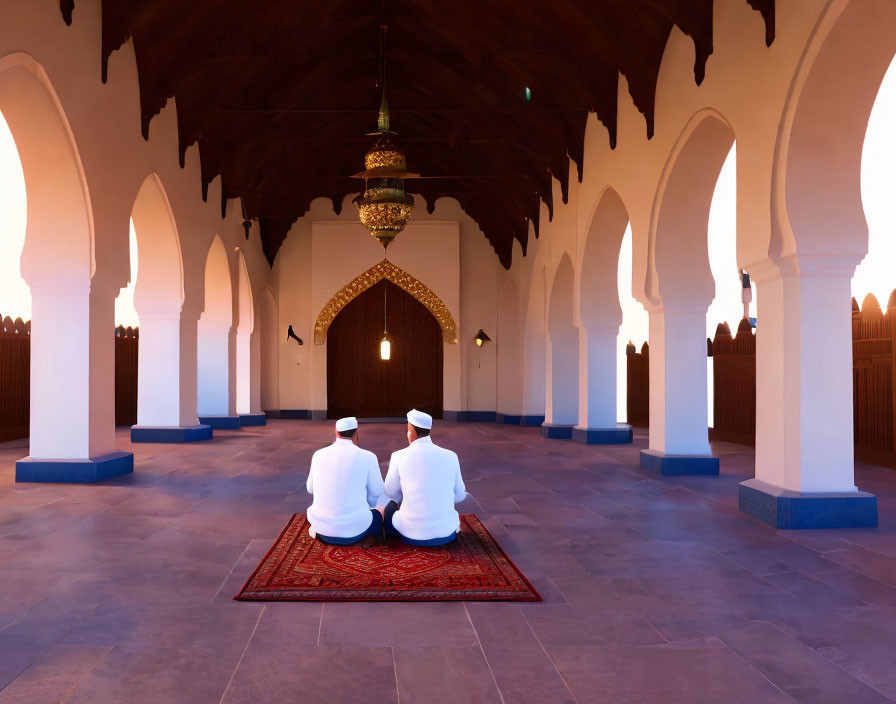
x=385, y=344
x=384, y=207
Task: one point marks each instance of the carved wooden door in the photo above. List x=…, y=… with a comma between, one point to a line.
x=361, y=384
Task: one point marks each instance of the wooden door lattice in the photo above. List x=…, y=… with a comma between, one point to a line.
x=361, y=384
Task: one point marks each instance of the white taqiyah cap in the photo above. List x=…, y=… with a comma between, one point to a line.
x=344, y=424
x=420, y=419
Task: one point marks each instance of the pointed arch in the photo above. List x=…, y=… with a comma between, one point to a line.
x=59, y=235
x=216, y=371
x=244, y=330
x=562, y=349
x=398, y=276
x=159, y=287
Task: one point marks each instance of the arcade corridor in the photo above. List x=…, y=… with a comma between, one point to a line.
x=653, y=588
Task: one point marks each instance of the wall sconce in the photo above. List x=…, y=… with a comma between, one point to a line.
x=291, y=334
x=481, y=338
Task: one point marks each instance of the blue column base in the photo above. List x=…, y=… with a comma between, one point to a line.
x=221, y=422
x=785, y=509
x=619, y=435
x=679, y=465
x=507, y=419
x=318, y=415
x=291, y=413
x=190, y=433
x=247, y=419
x=95, y=469
x=556, y=432
x=469, y=416
x=531, y=421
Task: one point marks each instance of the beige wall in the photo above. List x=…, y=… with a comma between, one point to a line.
x=444, y=250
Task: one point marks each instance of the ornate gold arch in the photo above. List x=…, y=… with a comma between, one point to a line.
x=386, y=270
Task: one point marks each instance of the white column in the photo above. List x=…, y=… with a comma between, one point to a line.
x=215, y=372
x=562, y=383
x=255, y=363
x=804, y=418
x=243, y=372
x=597, y=375
x=159, y=397
x=188, y=368
x=72, y=373
x=231, y=372
x=678, y=382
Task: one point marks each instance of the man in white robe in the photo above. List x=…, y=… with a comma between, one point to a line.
x=423, y=483
x=346, y=484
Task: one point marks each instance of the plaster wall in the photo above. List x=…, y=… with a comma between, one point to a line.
x=99, y=125
x=445, y=250
x=797, y=109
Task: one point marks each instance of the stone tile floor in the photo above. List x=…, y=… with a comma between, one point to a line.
x=656, y=590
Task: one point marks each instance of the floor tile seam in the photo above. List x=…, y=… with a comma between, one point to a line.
x=754, y=669
x=395, y=674
x=862, y=603
x=857, y=571
x=656, y=630
x=39, y=654
x=68, y=696
x=484, y=656
x=55, y=530
x=320, y=623
x=547, y=654
x=827, y=659
x=243, y=654
x=748, y=571
x=231, y=571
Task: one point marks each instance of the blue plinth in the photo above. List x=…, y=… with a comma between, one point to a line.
x=249, y=419
x=317, y=415
x=469, y=416
x=679, y=465
x=95, y=469
x=531, y=421
x=292, y=413
x=619, y=435
x=782, y=508
x=507, y=419
x=190, y=433
x=221, y=422
x=556, y=432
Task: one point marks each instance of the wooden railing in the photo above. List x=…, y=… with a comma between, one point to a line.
x=872, y=380
x=638, y=384
x=126, y=344
x=734, y=382
x=15, y=377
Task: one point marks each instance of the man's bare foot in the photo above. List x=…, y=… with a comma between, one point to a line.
x=368, y=542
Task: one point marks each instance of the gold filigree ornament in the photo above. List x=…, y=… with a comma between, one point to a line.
x=386, y=270
x=384, y=207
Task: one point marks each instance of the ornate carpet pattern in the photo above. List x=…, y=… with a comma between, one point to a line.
x=472, y=568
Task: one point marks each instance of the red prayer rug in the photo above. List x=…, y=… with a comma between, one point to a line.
x=471, y=568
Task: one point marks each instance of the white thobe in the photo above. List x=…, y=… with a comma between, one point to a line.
x=346, y=483
x=425, y=479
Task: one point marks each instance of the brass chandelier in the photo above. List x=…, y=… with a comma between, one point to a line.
x=384, y=207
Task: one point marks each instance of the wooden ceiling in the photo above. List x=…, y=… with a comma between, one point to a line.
x=281, y=93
